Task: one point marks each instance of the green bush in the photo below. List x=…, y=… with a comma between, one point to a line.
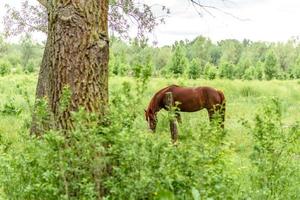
x=30, y=66
x=10, y=108
x=5, y=67
x=14, y=60
x=54, y=167
x=275, y=170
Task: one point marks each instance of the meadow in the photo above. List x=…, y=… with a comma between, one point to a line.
x=241, y=163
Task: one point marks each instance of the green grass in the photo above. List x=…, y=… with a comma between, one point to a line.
x=244, y=100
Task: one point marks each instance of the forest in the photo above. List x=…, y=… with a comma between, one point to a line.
x=199, y=58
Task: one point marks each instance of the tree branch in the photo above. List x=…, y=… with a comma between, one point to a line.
x=207, y=7
x=43, y=2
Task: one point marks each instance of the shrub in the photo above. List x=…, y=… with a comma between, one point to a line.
x=147, y=166
x=5, y=67
x=210, y=72
x=10, y=108
x=275, y=171
x=30, y=66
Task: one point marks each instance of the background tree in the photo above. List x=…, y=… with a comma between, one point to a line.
x=194, y=69
x=27, y=52
x=210, y=71
x=231, y=50
x=259, y=70
x=178, y=60
x=200, y=48
x=226, y=70
x=3, y=46
x=296, y=68
x=161, y=58
x=270, y=66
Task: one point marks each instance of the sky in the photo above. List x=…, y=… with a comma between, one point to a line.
x=257, y=20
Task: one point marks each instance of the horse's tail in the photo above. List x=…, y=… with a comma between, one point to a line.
x=223, y=106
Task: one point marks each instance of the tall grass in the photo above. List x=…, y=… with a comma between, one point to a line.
x=257, y=157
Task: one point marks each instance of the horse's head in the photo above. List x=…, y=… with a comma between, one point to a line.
x=151, y=119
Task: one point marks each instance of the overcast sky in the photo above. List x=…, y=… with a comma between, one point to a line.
x=265, y=20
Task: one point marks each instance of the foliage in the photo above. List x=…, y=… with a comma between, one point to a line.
x=10, y=108
x=270, y=66
x=226, y=70
x=273, y=155
x=5, y=67
x=122, y=15
x=123, y=160
x=210, y=72
x=194, y=69
x=178, y=61
x=27, y=52
x=3, y=46
x=255, y=61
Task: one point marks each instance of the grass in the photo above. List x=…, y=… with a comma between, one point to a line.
x=244, y=98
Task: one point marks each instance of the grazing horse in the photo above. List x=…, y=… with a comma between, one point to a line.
x=190, y=99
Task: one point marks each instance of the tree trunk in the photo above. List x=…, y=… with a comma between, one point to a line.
x=75, y=72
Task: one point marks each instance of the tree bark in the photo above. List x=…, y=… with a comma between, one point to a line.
x=76, y=58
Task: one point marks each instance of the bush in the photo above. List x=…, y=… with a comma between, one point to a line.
x=5, y=67
x=30, y=66
x=275, y=170
x=210, y=72
x=54, y=167
x=14, y=60
x=10, y=108
x=147, y=166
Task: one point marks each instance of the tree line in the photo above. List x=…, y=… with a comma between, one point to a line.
x=22, y=57
x=198, y=58
x=202, y=58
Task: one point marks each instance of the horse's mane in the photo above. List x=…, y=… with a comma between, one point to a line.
x=152, y=102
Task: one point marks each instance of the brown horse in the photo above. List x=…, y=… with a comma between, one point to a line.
x=190, y=99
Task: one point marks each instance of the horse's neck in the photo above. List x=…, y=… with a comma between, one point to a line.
x=156, y=103
x=158, y=98
x=155, y=106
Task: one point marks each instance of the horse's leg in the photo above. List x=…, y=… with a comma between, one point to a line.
x=211, y=113
x=223, y=115
x=178, y=117
x=220, y=111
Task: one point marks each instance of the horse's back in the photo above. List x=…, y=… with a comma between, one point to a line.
x=195, y=98
x=188, y=98
x=214, y=96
